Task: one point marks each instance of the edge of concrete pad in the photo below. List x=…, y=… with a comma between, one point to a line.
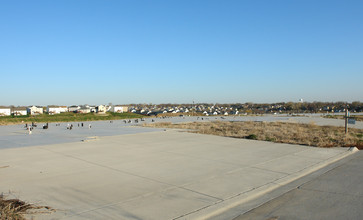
x=215, y=210
x=244, y=208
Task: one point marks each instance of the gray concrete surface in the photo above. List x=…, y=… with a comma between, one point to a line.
x=17, y=136
x=153, y=175
x=334, y=193
x=12, y=136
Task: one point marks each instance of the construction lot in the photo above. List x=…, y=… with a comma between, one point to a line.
x=154, y=174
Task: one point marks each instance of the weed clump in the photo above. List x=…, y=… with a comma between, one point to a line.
x=15, y=209
x=270, y=139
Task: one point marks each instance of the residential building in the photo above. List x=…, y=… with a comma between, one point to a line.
x=73, y=108
x=84, y=109
x=5, y=111
x=19, y=111
x=101, y=109
x=35, y=110
x=119, y=108
x=54, y=109
x=93, y=108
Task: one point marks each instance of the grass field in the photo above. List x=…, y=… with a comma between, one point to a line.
x=279, y=132
x=66, y=117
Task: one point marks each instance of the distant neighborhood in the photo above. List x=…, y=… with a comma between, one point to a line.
x=206, y=109
x=55, y=109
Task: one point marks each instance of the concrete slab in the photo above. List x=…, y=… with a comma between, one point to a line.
x=17, y=136
x=234, y=183
x=168, y=204
x=153, y=175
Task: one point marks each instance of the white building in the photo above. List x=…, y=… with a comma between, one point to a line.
x=84, y=109
x=93, y=108
x=35, y=110
x=73, y=108
x=101, y=109
x=119, y=109
x=54, y=109
x=19, y=111
x=5, y=111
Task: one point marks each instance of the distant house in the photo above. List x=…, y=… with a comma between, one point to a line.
x=54, y=109
x=84, y=109
x=101, y=109
x=35, y=110
x=73, y=108
x=5, y=111
x=93, y=108
x=119, y=108
x=19, y=111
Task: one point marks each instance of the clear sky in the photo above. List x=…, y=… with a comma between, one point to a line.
x=179, y=51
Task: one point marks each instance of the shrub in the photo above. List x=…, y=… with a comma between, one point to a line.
x=251, y=136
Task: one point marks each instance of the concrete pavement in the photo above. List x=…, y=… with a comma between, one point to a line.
x=12, y=136
x=17, y=136
x=154, y=175
x=335, y=192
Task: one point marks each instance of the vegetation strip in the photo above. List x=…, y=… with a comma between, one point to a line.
x=278, y=132
x=66, y=117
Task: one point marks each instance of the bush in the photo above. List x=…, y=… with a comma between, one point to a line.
x=252, y=137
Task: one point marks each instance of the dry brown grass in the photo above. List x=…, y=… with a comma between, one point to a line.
x=356, y=117
x=279, y=132
x=15, y=209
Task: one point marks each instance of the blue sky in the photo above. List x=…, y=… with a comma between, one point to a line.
x=179, y=51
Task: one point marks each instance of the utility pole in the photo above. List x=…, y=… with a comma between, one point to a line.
x=346, y=120
x=193, y=109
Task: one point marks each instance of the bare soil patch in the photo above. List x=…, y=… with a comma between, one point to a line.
x=279, y=132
